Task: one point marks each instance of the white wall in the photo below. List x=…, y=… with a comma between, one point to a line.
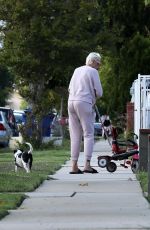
x=140, y=92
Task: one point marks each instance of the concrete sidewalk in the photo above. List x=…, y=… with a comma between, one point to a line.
x=84, y=201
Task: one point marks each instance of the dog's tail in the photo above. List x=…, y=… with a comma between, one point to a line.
x=30, y=147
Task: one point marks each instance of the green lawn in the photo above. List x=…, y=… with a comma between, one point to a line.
x=9, y=201
x=143, y=179
x=13, y=185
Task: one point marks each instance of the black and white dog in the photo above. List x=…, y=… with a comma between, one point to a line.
x=24, y=159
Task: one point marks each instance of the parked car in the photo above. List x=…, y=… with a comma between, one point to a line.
x=20, y=117
x=97, y=129
x=5, y=130
x=11, y=120
x=26, y=118
x=48, y=125
x=56, y=126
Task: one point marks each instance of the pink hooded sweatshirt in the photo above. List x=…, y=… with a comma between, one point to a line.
x=85, y=85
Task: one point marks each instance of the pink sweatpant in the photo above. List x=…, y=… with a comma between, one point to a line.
x=81, y=118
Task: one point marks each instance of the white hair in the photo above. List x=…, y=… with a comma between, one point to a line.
x=93, y=57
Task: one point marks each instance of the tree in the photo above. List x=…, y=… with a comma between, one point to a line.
x=43, y=42
x=124, y=22
x=6, y=80
x=137, y=58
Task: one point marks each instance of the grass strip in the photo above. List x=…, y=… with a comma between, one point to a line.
x=142, y=177
x=9, y=201
x=14, y=185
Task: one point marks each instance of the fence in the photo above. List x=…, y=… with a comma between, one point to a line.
x=149, y=165
x=140, y=92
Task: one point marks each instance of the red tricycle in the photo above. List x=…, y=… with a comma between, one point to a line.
x=122, y=150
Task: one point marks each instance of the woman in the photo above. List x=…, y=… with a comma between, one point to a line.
x=84, y=88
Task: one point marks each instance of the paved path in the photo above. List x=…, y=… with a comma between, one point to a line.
x=84, y=202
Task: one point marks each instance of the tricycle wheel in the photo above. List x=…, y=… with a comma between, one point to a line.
x=102, y=161
x=111, y=167
x=134, y=166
